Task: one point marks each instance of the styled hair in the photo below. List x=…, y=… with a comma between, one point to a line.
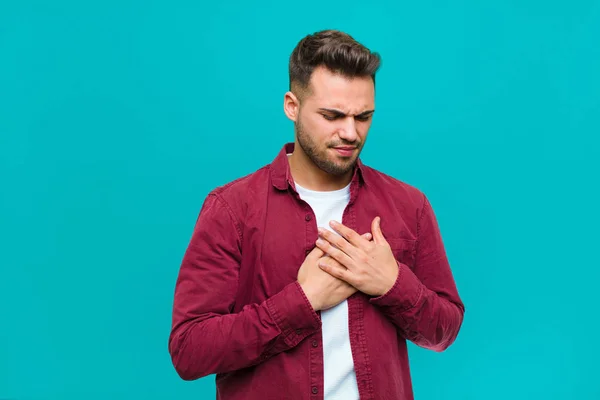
x=335, y=50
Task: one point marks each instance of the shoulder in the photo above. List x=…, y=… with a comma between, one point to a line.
x=237, y=194
x=388, y=185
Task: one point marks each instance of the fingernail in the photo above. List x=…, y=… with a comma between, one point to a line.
x=320, y=242
x=333, y=223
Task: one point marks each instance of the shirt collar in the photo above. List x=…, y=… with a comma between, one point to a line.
x=281, y=175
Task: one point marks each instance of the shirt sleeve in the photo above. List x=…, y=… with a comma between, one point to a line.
x=424, y=303
x=206, y=337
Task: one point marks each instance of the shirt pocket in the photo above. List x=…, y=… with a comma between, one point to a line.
x=404, y=250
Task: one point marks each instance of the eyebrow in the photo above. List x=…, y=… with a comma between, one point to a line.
x=338, y=113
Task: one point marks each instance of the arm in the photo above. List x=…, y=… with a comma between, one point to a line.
x=206, y=337
x=424, y=304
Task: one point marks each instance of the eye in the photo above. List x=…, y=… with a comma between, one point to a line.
x=363, y=118
x=329, y=117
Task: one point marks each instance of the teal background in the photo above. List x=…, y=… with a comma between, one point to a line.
x=118, y=117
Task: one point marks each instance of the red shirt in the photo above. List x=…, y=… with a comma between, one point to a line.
x=240, y=313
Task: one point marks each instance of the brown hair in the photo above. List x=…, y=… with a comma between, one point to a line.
x=335, y=50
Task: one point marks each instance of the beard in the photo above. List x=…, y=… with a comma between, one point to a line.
x=321, y=157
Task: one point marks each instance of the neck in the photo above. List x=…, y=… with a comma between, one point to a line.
x=311, y=177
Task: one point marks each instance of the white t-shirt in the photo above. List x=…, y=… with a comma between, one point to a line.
x=339, y=376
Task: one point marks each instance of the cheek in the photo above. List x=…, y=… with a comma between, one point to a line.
x=320, y=129
x=320, y=124
x=363, y=130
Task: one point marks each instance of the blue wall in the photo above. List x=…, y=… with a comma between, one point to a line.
x=118, y=117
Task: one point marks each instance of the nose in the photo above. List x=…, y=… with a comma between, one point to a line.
x=348, y=130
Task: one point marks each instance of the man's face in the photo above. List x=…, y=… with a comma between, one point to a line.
x=334, y=120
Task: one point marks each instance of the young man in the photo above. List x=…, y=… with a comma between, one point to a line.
x=282, y=302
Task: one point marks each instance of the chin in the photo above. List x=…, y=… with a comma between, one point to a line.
x=342, y=167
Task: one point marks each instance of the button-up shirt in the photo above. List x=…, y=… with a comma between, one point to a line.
x=240, y=313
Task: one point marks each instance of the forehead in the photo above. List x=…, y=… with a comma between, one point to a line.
x=332, y=90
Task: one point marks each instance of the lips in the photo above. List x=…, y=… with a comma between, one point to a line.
x=348, y=148
x=345, y=151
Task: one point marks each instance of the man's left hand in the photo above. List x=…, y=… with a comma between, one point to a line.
x=370, y=266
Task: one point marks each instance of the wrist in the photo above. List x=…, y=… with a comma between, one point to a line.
x=390, y=282
x=312, y=297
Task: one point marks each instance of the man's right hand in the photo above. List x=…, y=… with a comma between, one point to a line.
x=323, y=290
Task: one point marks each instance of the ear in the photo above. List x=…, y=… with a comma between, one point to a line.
x=291, y=106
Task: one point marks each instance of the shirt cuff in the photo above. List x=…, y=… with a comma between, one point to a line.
x=405, y=293
x=293, y=314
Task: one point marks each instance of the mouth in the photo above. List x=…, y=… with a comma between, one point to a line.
x=345, y=151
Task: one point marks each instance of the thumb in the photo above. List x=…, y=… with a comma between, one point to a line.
x=376, y=229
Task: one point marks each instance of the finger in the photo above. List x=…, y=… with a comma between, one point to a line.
x=335, y=270
x=338, y=242
x=316, y=253
x=335, y=253
x=350, y=235
x=377, y=233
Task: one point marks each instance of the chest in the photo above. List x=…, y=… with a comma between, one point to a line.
x=278, y=236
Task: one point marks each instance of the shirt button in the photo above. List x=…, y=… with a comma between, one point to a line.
x=298, y=331
x=307, y=217
x=315, y=343
x=315, y=390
